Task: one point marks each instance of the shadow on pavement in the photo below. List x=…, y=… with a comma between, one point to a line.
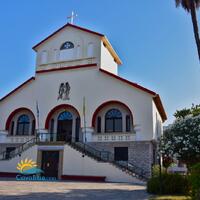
x=78, y=194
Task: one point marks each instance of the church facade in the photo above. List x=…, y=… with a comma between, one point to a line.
x=76, y=117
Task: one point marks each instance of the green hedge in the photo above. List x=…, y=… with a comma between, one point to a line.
x=194, y=180
x=156, y=170
x=171, y=184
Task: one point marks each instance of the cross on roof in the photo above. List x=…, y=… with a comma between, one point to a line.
x=72, y=17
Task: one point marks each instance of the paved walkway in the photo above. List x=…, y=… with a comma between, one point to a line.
x=17, y=190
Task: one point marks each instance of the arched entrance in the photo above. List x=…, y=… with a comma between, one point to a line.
x=63, y=123
x=64, y=126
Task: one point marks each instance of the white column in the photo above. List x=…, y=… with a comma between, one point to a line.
x=87, y=134
x=138, y=136
x=41, y=133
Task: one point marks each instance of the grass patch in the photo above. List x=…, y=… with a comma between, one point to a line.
x=169, y=197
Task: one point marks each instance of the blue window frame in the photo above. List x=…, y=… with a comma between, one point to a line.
x=23, y=125
x=65, y=116
x=67, y=45
x=113, y=121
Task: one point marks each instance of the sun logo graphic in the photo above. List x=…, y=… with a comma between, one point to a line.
x=28, y=166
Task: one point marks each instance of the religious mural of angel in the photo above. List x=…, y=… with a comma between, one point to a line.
x=64, y=91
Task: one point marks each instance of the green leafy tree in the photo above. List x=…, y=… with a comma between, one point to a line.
x=181, y=114
x=191, y=6
x=182, y=140
x=195, y=110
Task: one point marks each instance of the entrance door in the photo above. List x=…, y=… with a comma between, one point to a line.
x=121, y=153
x=64, y=127
x=50, y=160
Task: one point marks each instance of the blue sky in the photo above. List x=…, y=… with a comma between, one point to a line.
x=154, y=39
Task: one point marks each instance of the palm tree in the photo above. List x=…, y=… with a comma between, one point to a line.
x=191, y=6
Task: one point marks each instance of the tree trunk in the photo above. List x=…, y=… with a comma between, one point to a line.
x=195, y=25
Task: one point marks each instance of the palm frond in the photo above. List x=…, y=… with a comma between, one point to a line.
x=197, y=3
x=186, y=4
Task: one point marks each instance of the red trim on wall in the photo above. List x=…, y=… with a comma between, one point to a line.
x=61, y=106
x=156, y=97
x=128, y=82
x=66, y=68
x=70, y=25
x=8, y=122
x=20, y=86
x=84, y=178
x=106, y=104
x=160, y=107
x=8, y=174
x=86, y=30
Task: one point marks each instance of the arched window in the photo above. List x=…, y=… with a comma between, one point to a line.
x=23, y=125
x=113, y=121
x=67, y=45
x=67, y=51
x=65, y=116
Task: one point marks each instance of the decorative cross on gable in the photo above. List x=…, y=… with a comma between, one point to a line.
x=72, y=17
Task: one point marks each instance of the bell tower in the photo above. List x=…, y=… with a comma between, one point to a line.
x=72, y=45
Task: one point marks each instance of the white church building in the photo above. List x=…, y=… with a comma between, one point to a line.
x=77, y=118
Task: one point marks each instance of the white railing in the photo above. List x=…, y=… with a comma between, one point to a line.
x=60, y=64
x=113, y=137
x=18, y=139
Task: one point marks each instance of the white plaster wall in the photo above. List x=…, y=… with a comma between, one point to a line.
x=78, y=38
x=97, y=88
x=107, y=61
x=10, y=165
x=157, y=122
x=75, y=164
x=24, y=97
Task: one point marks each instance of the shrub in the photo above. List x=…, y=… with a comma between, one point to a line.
x=194, y=180
x=156, y=170
x=171, y=184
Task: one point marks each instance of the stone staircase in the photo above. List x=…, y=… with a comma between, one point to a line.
x=86, y=150
x=19, y=150
x=106, y=156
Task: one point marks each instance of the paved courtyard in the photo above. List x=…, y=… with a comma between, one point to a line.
x=15, y=190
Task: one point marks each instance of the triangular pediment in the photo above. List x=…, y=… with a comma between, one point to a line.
x=62, y=32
